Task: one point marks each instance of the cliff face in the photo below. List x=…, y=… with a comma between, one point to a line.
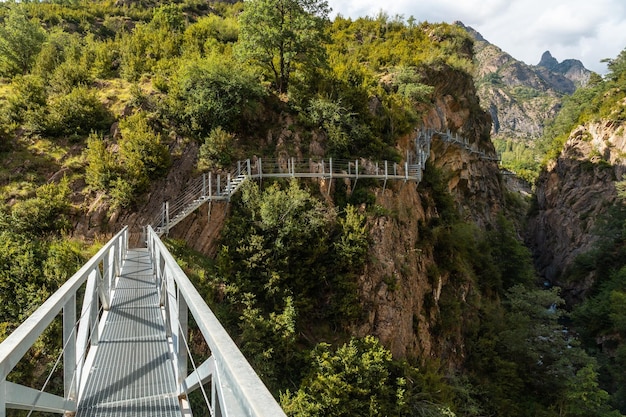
x=572, y=193
x=402, y=300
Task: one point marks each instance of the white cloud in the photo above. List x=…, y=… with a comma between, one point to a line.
x=580, y=29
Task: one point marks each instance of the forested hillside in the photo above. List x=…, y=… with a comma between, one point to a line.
x=348, y=299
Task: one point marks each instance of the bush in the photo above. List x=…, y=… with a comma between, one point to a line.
x=142, y=155
x=76, y=113
x=355, y=380
x=212, y=93
x=44, y=214
x=28, y=100
x=217, y=150
x=101, y=163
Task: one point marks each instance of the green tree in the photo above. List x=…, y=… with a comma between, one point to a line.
x=213, y=92
x=20, y=41
x=142, y=154
x=101, y=163
x=355, y=380
x=217, y=150
x=279, y=35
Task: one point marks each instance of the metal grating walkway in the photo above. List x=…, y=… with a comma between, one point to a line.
x=132, y=374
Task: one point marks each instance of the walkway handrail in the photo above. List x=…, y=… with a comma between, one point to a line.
x=237, y=389
x=75, y=341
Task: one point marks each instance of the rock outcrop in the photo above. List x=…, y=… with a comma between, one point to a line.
x=571, y=195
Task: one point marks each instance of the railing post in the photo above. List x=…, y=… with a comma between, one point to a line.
x=249, y=167
x=356, y=169
x=406, y=171
x=330, y=161
x=210, y=186
x=167, y=217
x=238, y=168
x=228, y=185
x=69, y=342
x=219, y=186
x=183, y=315
x=260, y=168
x=203, y=185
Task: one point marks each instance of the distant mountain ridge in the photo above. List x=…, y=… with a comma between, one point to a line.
x=521, y=98
x=572, y=69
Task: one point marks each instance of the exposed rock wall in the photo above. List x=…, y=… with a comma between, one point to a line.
x=572, y=193
x=401, y=300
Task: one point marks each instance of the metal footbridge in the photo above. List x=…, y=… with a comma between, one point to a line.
x=126, y=352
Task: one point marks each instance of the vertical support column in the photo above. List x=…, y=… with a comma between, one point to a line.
x=238, y=168
x=228, y=186
x=249, y=167
x=356, y=170
x=293, y=167
x=386, y=175
x=331, y=168
x=183, y=314
x=219, y=186
x=260, y=168
x=69, y=353
x=203, y=185
x=406, y=171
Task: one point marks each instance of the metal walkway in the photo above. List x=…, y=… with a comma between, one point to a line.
x=132, y=374
x=126, y=352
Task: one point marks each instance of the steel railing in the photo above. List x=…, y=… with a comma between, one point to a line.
x=79, y=334
x=236, y=389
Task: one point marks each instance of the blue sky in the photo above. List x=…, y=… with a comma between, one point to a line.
x=581, y=29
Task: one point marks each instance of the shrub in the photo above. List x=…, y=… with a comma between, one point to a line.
x=101, y=163
x=142, y=155
x=28, y=99
x=217, y=150
x=46, y=213
x=211, y=93
x=76, y=113
x=20, y=42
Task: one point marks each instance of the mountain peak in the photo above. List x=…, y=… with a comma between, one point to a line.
x=571, y=69
x=472, y=32
x=548, y=61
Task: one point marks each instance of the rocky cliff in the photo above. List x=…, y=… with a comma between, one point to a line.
x=403, y=298
x=571, y=194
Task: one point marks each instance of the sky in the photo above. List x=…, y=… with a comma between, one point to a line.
x=587, y=30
